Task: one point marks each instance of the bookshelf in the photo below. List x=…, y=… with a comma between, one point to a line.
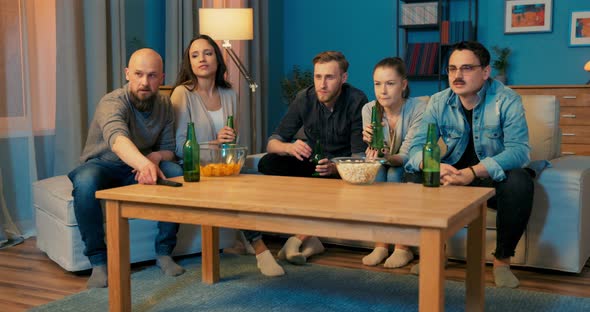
x=427, y=30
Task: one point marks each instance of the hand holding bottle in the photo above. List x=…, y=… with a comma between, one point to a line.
x=325, y=167
x=226, y=135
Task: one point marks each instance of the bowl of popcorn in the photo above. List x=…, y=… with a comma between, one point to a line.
x=357, y=170
x=220, y=160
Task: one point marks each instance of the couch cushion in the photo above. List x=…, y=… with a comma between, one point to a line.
x=542, y=116
x=54, y=197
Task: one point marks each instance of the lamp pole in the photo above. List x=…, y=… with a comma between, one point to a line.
x=251, y=83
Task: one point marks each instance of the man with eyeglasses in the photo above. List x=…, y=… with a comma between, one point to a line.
x=483, y=125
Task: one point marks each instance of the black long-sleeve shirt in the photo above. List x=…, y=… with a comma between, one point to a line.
x=339, y=130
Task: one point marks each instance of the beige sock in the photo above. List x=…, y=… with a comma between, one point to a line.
x=312, y=246
x=98, y=278
x=399, y=258
x=291, y=252
x=503, y=277
x=376, y=256
x=268, y=265
x=168, y=266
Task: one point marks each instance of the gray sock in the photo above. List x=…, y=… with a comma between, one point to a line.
x=399, y=258
x=268, y=265
x=98, y=278
x=168, y=266
x=376, y=256
x=291, y=252
x=312, y=246
x=503, y=277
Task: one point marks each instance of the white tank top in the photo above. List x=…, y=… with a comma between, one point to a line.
x=217, y=117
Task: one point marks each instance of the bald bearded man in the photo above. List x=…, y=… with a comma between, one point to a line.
x=130, y=140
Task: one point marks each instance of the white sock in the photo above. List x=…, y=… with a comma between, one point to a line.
x=312, y=246
x=268, y=265
x=98, y=278
x=503, y=277
x=399, y=258
x=168, y=266
x=376, y=256
x=291, y=252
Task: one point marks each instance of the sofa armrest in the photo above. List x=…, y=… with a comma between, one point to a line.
x=559, y=226
x=251, y=164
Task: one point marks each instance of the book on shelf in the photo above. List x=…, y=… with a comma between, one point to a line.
x=419, y=13
x=422, y=58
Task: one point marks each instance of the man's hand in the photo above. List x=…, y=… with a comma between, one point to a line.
x=446, y=169
x=463, y=177
x=325, y=167
x=299, y=149
x=148, y=174
x=226, y=135
x=150, y=171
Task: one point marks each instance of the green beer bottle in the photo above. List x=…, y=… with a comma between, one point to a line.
x=230, y=123
x=378, y=138
x=318, y=154
x=431, y=158
x=191, y=153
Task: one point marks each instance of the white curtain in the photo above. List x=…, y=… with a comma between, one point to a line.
x=59, y=58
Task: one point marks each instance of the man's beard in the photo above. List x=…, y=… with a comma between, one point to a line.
x=143, y=105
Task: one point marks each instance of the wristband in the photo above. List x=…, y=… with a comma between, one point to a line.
x=473, y=171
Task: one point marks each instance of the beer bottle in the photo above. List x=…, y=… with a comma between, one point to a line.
x=378, y=138
x=318, y=154
x=230, y=123
x=191, y=153
x=431, y=158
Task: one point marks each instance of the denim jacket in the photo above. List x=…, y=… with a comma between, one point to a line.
x=500, y=131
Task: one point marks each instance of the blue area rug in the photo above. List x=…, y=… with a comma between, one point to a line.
x=307, y=288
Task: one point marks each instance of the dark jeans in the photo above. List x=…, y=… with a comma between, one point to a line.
x=275, y=164
x=95, y=175
x=513, y=202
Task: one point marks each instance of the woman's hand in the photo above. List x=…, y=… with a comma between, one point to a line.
x=368, y=134
x=226, y=135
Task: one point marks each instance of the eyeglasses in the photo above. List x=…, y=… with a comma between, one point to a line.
x=465, y=69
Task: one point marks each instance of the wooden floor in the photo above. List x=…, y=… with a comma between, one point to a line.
x=28, y=278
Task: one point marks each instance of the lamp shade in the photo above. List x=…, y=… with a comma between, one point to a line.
x=227, y=24
x=587, y=66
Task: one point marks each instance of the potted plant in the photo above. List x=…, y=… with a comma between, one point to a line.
x=500, y=64
x=301, y=79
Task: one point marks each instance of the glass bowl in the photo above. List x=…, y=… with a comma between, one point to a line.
x=357, y=170
x=220, y=160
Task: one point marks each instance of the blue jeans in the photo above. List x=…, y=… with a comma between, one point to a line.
x=390, y=174
x=95, y=175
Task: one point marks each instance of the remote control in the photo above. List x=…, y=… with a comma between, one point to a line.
x=161, y=181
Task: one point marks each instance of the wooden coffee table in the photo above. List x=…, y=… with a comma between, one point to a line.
x=408, y=214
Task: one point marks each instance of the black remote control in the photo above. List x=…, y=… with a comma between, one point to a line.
x=161, y=181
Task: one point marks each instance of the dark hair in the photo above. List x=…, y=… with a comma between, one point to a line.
x=185, y=73
x=328, y=56
x=399, y=66
x=477, y=48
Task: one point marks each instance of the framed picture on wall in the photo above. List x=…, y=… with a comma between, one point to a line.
x=528, y=16
x=580, y=29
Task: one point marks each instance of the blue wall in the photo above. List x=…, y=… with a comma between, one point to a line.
x=366, y=32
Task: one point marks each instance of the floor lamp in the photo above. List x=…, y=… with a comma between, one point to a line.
x=233, y=24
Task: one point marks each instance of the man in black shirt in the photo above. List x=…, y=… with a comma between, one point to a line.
x=329, y=112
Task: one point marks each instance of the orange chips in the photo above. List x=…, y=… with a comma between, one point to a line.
x=220, y=170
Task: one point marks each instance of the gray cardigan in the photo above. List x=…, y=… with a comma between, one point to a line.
x=410, y=115
x=188, y=105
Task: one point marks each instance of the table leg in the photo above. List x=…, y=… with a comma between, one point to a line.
x=432, y=274
x=210, y=254
x=474, y=281
x=119, y=280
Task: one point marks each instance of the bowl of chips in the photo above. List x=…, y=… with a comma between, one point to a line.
x=221, y=160
x=357, y=170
